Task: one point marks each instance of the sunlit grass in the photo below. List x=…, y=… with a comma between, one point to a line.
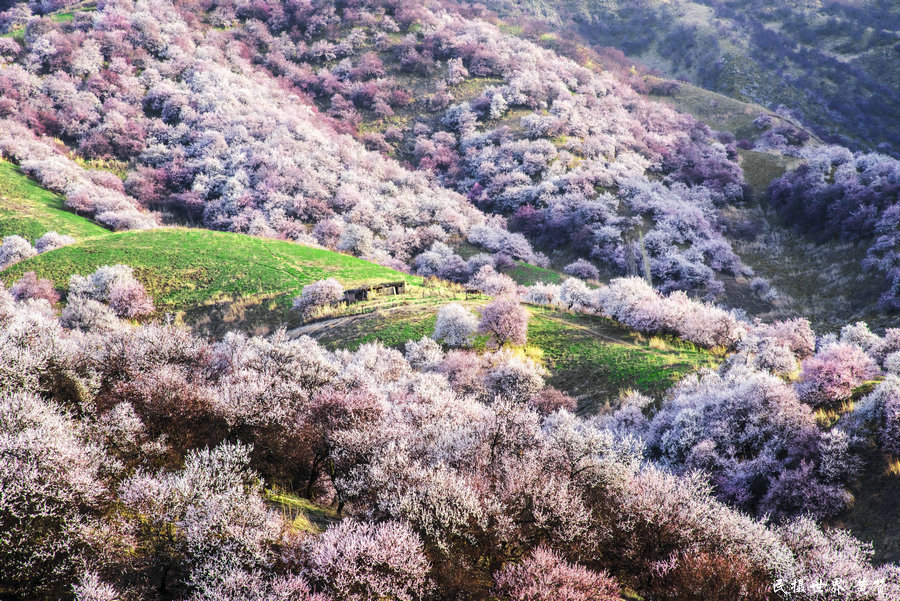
x=592, y=358
x=893, y=468
x=828, y=416
x=303, y=515
x=190, y=270
x=30, y=211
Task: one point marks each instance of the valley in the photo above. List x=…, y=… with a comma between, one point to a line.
x=383, y=300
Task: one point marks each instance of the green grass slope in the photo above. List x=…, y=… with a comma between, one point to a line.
x=595, y=359
x=30, y=211
x=303, y=515
x=207, y=276
x=719, y=111
x=592, y=358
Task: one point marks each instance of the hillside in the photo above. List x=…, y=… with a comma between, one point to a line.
x=219, y=282
x=168, y=405
x=592, y=358
x=477, y=124
x=212, y=279
x=627, y=360
x=820, y=281
x=721, y=112
x=483, y=122
x=832, y=63
x=30, y=211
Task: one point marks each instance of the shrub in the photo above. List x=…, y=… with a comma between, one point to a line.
x=505, y=321
x=492, y=283
x=513, y=377
x=859, y=334
x=318, y=294
x=51, y=241
x=129, y=298
x=546, y=576
x=15, y=249
x=222, y=519
x=892, y=363
x=756, y=440
x=542, y=294
x=633, y=302
x=423, y=354
x=582, y=269
x=881, y=408
x=774, y=357
x=828, y=378
x=91, y=588
x=359, y=561
x=550, y=400
x=99, y=285
x=87, y=315
x=477, y=261
x=815, y=576
x=51, y=486
x=30, y=286
x=762, y=289
x=455, y=326
x=576, y=295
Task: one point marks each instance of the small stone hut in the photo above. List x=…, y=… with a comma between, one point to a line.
x=356, y=295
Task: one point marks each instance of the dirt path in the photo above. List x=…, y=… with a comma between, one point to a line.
x=318, y=328
x=593, y=332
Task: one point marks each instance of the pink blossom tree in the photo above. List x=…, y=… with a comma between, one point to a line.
x=424, y=354
x=51, y=241
x=492, y=283
x=129, y=299
x=220, y=515
x=505, y=321
x=550, y=400
x=546, y=576
x=30, y=286
x=359, y=561
x=513, y=377
x=576, y=295
x=87, y=315
x=828, y=378
x=52, y=490
x=14, y=249
x=318, y=294
x=881, y=410
x=542, y=294
x=99, y=284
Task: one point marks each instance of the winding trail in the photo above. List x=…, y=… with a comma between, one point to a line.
x=317, y=328
x=592, y=331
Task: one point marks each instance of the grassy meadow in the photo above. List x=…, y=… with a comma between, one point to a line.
x=30, y=211
x=592, y=358
x=209, y=276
